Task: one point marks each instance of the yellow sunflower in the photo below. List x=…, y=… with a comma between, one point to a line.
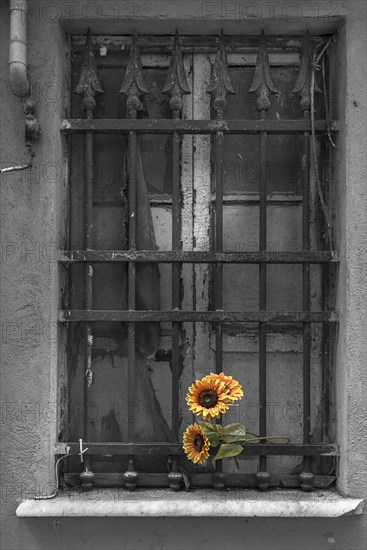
x=234, y=389
x=196, y=444
x=208, y=397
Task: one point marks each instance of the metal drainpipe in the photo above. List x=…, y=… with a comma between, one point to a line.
x=18, y=47
x=18, y=76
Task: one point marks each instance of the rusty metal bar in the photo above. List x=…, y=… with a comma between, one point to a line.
x=176, y=86
x=262, y=306
x=165, y=449
x=160, y=44
x=198, y=316
x=88, y=376
x=262, y=86
x=307, y=479
x=88, y=86
x=201, y=480
x=303, y=88
x=219, y=87
x=160, y=256
x=218, y=274
x=131, y=281
x=165, y=126
x=132, y=86
x=176, y=273
x=218, y=279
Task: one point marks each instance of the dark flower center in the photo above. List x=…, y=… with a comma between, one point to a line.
x=208, y=398
x=198, y=443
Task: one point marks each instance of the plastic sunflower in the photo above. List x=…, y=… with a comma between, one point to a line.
x=196, y=444
x=208, y=396
x=234, y=389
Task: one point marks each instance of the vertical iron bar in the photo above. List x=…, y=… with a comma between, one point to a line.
x=262, y=476
x=218, y=280
x=306, y=476
x=262, y=292
x=304, y=88
x=88, y=276
x=88, y=86
x=176, y=85
x=219, y=246
x=133, y=86
x=326, y=329
x=176, y=270
x=132, y=280
x=262, y=85
x=220, y=86
x=131, y=476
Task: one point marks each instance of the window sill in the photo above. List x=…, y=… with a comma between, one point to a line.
x=196, y=503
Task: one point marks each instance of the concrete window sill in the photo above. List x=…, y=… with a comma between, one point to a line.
x=196, y=503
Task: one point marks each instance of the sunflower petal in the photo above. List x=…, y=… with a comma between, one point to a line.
x=194, y=452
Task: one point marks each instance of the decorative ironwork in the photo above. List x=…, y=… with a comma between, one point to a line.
x=302, y=86
x=130, y=476
x=262, y=83
x=134, y=83
x=175, y=449
x=175, y=477
x=89, y=84
x=32, y=125
x=220, y=83
x=176, y=83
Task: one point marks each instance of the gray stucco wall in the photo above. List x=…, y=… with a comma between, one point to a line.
x=32, y=225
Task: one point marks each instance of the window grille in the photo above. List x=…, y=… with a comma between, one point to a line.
x=131, y=462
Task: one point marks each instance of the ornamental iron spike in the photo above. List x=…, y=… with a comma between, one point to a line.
x=134, y=83
x=176, y=83
x=89, y=84
x=220, y=82
x=262, y=83
x=302, y=86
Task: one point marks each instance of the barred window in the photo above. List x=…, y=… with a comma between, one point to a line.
x=200, y=240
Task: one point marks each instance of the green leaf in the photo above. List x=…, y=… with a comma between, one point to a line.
x=213, y=439
x=234, y=432
x=211, y=433
x=207, y=427
x=227, y=450
x=220, y=429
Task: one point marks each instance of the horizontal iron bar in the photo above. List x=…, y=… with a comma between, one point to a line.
x=198, y=316
x=240, y=480
x=164, y=126
x=70, y=256
x=320, y=449
x=149, y=43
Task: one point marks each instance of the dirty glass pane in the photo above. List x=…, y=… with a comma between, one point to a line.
x=283, y=164
x=284, y=153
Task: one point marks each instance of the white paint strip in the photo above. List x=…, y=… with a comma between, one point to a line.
x=201, y=503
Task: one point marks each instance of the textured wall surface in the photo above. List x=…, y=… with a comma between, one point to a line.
x=31, y=229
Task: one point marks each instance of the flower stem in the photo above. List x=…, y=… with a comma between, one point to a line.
x=258, y=438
